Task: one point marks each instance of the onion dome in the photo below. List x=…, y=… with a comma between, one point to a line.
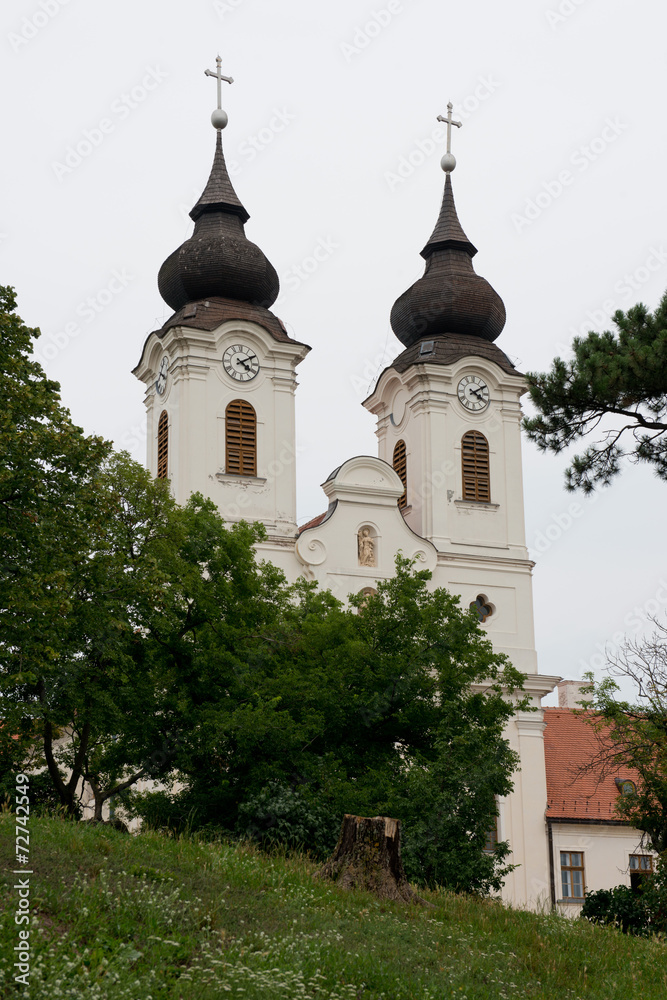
x=218, y=261
x=450, y=298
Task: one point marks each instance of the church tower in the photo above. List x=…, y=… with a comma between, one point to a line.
x=448, y=421
x=220, y=374
x=445, y=491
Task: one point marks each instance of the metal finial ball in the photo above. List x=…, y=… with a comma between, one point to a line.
x=219, y=118
x=448, y=162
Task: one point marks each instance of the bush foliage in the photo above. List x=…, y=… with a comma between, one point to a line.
x=641, y=911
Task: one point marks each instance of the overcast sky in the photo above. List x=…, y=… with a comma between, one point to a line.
x=560, y=184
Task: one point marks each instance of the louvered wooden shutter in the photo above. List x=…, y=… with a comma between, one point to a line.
x=163, y=445
x=475, y=458
x=400, y=464
x=240, y=439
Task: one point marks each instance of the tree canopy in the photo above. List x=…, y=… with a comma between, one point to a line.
x=634, y=734
x=47, y=495
x=307, y=709
x=83, y=537
x=142, y=639
x=615, y=384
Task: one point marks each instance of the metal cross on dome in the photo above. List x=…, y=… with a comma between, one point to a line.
x=219, y=77
x=449, y=121
x=448, y=161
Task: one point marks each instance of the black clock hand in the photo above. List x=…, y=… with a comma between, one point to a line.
x=240, y=361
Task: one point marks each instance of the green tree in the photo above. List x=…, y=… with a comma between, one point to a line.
x=615, y=384
x=394, y=705
x=100, y=706
x=48, y=469
x=92, y=553
x=110, y=702
x=633, y=735
x=142, y=639
x=47, y=497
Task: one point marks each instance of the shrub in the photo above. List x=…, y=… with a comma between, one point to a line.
x=159, y=810
x=635, y=911
x=620, y=906
x=279, y=815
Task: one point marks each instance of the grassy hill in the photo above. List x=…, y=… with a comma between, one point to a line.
x=147, y=918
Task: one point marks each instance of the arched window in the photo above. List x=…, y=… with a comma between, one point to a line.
x=475, y=460
x=240, y=439
x=163, y=445
x=492, y=837
x=365, y=594
x=401, y=469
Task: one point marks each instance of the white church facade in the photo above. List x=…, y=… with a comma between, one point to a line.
x=445, y=487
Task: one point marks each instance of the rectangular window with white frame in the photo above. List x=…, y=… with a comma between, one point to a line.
x=572, y=880
x=640, y=866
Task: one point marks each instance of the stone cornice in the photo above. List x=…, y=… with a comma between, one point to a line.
x=461, y=558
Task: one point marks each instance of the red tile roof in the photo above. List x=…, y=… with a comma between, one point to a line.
x=313, y=523
x=569, y=742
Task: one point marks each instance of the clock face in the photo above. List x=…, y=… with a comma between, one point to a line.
x=240, y=363
x=161, y=383
x=473, y=393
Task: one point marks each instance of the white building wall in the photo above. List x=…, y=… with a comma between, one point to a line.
x=481, y=546
x=521, y=813
x=606, y=850
x=421, y=406
x=471, y=548
x=197, y=393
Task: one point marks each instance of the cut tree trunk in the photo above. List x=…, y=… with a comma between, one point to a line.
x=368, y=856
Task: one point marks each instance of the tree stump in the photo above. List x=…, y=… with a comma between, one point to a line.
x=368, y=856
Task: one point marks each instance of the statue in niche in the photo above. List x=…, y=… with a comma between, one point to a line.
x=366, y=547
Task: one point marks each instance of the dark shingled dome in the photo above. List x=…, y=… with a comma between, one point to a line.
x=450, y=298
x=218, y=261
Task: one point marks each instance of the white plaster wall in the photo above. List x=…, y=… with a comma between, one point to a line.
x=522, y=811
x=363, y=494
x=481, y=546
x=197, y=393
x=606, y=851
x=471, y=549
x=421, y=406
